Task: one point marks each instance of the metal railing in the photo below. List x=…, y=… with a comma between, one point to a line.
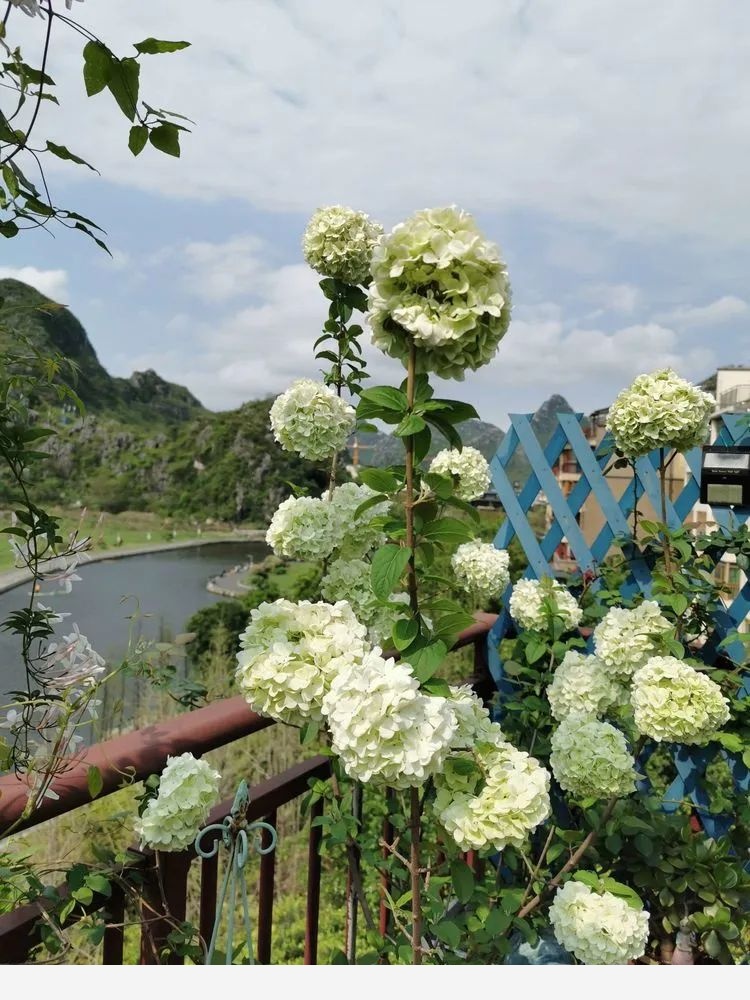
x=164, y=878
x=736, y=399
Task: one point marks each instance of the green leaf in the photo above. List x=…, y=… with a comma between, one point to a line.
x=8, y=229
x=388, y=565
x=441, y=486
x=463, y=880
x=497, y=922
x=94, y=781
x=10, y=179
x=153, y=46
x=137, y=139
x=449, y=933
x=124, y=84
x=166, y=138
x=436, y=686
x=591, y=879
x=411, y=424
x=379, y=480
x=421, y=443
x=97, y=67
x=450, y=625
x=712, y=943
x=387, y=397
x=63, y=153
x=405, y=631
x=535, y=650
x=447, y=531
x=84, y=895
x=99, y=884
x=370, y=502
x=425, y=661
x=446, y=429
x=456, y=411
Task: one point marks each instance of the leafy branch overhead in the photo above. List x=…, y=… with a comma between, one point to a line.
x=25, y=198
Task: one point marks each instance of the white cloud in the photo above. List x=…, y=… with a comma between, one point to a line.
x=621, y=298
x=220, y=271
x=257, y=349
x=607, y=114
x=722, y=310
x=51, y=283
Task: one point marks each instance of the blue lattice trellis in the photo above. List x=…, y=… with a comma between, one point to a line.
x=690, y=764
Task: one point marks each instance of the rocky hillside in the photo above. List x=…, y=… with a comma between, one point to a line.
x=145, y=443
x=148, y=444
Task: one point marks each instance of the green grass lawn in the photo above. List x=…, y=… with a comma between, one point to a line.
x=130, y=529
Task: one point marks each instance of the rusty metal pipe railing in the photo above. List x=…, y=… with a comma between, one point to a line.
x=133, y=757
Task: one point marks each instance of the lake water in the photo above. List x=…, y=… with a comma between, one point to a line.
x=167, y=586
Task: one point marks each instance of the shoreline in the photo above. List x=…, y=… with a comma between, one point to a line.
x=16, y=577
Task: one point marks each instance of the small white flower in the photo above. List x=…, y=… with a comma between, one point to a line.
x=599, y=929
x=469, y=466
x=188, y=790
x=310, y=419
x=535, y=604
x=626, y=637
x=383, y=727
x=71, y=663
x=481, y=569
x=674, y=702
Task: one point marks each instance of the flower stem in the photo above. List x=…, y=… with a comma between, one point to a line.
x=416, y=886
x=663, y=491
x=415, y=811
x=409, y=500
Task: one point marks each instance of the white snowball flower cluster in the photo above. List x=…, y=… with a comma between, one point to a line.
x=356, y=536
x=626, y=637
x=473, y=719
x=317, y=527
x=470, y=467
x=660, y=410
x=591, y=758
x=582, y=685
x=310, y=419
x=499, y=805
x=674, y=702
x=349, y=580
x=481, y=569
x=338, y=243
x=383, y=727
x=303, y=528
x=440, y=285
x=532, y=603
x=598, y=928
x=188, y=790
x=290, y=653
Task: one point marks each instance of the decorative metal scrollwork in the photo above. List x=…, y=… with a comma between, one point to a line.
x=238, y=837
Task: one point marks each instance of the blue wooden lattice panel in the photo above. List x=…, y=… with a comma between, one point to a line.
x=690, y=763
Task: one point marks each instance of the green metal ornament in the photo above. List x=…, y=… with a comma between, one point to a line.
x=238, y=837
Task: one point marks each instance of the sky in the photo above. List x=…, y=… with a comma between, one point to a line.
x=602, y=145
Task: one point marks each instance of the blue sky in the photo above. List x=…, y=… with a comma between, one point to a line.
x=602, y=145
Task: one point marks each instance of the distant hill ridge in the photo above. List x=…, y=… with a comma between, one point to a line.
x=148, y=444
